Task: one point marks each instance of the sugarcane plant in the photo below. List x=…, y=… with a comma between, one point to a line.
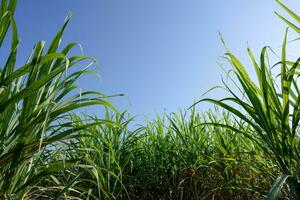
x=270, y=106
x=33, y=100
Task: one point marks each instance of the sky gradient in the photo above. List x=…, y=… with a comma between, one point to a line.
x=162, y=54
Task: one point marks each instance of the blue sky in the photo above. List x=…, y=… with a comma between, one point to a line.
x=162, y=54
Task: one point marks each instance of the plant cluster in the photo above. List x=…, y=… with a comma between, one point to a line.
x=246, y=148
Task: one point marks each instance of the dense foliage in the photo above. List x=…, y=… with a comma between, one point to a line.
x=246, y=148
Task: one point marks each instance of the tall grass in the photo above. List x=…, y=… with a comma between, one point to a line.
x=34, y=97
x=169, y=158
x=105, y=152
x=48, y=150
x=181, y=160
x=272, y=112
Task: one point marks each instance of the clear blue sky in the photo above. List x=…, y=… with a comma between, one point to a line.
x=162, y=54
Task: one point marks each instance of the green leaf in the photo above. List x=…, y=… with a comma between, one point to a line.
x=277, y=186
